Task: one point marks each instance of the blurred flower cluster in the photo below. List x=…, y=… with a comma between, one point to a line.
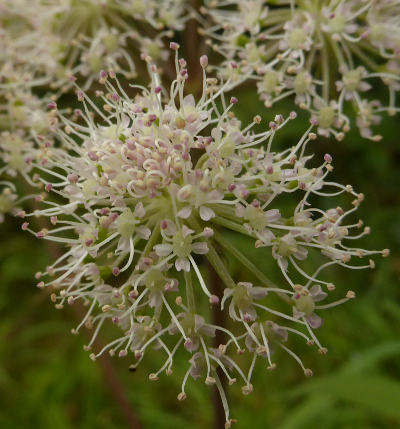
x=142, y=187
x=324, y=54
x=46, y=42
x=45, y=45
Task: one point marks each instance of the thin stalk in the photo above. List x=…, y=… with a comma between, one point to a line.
x=189, y=292
x=230, y=225
x=219, y=266
x=247, y=263
x=325, y=69
x=218, y=319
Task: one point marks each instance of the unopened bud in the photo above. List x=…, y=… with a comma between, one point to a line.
x=204, y=61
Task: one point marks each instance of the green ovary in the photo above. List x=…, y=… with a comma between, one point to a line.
x=302, y=83
x=227, y=148
x=126, y=223
x=296, y=38
x=351, y=79
x=256, y=217
x=16, y=161
x=182, y=246
x=5, y=204
x=241, y=297
x=305, y=304
x=337, y=23
x=326, y=117
x=270, y=82
x=111, y=42
x=95, y=63
x=155, y=281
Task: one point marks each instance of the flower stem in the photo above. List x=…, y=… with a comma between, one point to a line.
x=218, y=319
x=219, y=266
x=325, y=68
x=247, y=263
x=229, y=224
x=189, y=291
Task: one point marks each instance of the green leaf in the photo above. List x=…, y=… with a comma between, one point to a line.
x=376, y=392
x=372, y=356
x=307, y=411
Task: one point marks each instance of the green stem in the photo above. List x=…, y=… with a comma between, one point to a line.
x=157, y=313
x=242, y=258
x=338, y=54
x=230, y=225
x=189, y=292
x=372, y=64
x=276, y=16
x=247, y=263
x=325, y=68
x=219, y=266
x=225, y=211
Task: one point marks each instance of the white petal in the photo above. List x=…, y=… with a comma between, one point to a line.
x=123, y=245
x=155, y=299
x=267, y=236
x=171, y=228
x=189, y=100
x=163, y=249
x=301, y=253
x=143, y=232
x=186, y=231
x=185, y=212
x=198, y=322
x=314, y=321
x=273, y=215
x=297, y=314
x=239, y=210
x=182, y=264
x=139, y=210
x=206, y=213
x=258, y=292
x=317, y=293
x=283, y=263
x=200, y=247
x=250, y=313
x=232, y=312
x=209, y=331
x=364, y=86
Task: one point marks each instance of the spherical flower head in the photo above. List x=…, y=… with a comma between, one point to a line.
x=311, y=51
x=151, y=184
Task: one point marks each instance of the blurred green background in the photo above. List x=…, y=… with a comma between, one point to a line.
x=47, y=380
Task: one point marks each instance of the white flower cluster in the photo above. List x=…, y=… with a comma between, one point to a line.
x=143, y=189
x=326, y=55
x=25, y=136
x=46, y=42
